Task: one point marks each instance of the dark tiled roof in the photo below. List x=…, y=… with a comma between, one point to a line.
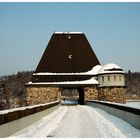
x=66, y=53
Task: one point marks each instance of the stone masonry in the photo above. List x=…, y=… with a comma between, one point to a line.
x=91, y=93
x=40, y=95
x=112, y=94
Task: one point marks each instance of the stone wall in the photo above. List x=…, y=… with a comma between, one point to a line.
x=91, y=93
x=112, y=94
x=40, y=95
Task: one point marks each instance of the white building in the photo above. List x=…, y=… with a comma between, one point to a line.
x=109, y=75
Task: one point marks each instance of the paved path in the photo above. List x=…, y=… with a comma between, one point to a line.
x=78, y=122
x=84, y=121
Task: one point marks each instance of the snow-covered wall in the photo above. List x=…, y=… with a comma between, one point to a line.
x=123, y=111
x=13, y=120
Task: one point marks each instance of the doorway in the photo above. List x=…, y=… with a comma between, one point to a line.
x=72, y=96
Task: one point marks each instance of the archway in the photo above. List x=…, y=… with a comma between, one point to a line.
x=81, y=100
x=73, y=95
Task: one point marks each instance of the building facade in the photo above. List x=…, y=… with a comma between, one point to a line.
x=69, y=63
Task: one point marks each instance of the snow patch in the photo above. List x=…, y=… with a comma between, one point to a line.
x=117, y=124
x=128, y=104
x=68, y=32
x=134, y=104
x=93, y=71
x=79, y=122
x=44, y=126
x=90, y=81
x=24, y=108
x=110, y=68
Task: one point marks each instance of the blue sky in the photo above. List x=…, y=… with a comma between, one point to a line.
x=113, y=30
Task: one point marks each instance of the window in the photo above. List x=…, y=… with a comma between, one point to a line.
x=103, y=79
x=114, y=78
x=120, y=78
x=108, y=78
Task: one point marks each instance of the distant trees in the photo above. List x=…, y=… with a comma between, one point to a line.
x=15, y=95
x=133, y=84
x=129, y=72
x=13, y=92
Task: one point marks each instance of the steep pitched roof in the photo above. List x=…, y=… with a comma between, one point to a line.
x=66, y=53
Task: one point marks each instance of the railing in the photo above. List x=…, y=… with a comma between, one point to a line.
x=128, y=114
x=13, y=120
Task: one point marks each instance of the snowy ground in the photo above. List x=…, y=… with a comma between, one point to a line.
x=135, y=104
x=69, y=102
x=79, y=122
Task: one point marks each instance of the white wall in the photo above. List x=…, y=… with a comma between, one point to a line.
x=111, y=80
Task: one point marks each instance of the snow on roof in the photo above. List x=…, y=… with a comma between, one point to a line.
x=68, y=32
x=50, y=73
x=93, y=71
x=98, y=69
x=110, y=68
x=90, y=81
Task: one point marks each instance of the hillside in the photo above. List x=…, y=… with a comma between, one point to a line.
x=13, y=92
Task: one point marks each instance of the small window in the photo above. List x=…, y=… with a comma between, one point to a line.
x=103, y=79
x=120, y=78
x=108, y=78
x=114, y=78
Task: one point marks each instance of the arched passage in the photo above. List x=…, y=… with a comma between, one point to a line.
x=81, y=100
x=73, y=94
